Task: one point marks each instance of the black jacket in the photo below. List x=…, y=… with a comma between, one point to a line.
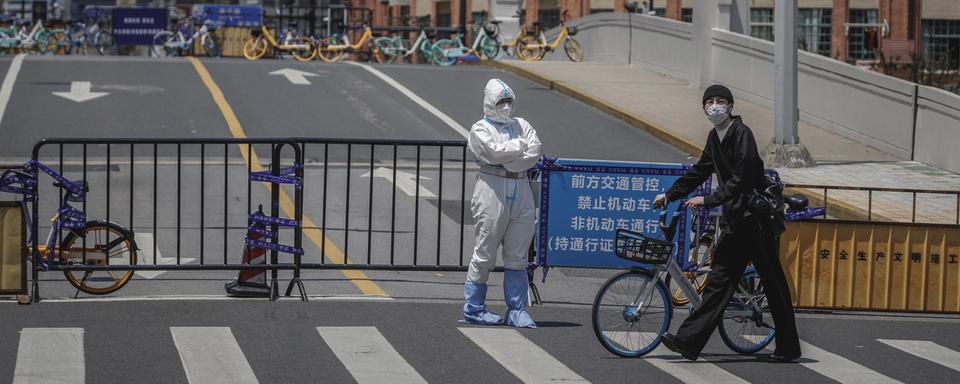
x=738, y=166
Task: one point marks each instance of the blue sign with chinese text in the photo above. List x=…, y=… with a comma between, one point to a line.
x=250, y=16
x=136, y=26
x=584, y=202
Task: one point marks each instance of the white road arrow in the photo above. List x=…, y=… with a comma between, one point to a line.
x=146, y=257
x=406, y=182
x=80, y=92
x=294, y=75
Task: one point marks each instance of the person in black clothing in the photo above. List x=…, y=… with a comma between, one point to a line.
x=731, y=153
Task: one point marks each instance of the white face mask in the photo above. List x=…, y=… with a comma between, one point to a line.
x=504, y=111
x=717, y=114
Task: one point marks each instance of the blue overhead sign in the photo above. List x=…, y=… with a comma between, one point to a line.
x=231, y=15
x=583, y=203
x=136, y=26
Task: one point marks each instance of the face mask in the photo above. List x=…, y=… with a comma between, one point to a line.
x=504, y=111
x=717, y=114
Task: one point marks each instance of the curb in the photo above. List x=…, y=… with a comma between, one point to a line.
x=654, y=129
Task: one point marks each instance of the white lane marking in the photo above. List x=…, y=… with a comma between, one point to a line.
x=80, y=92
x=406, y=181
x=927, y=350
x=689, y=372
x=838, y=367
x=211, y=355
x=50, y=355
x=6, y=90
x=294, y=76
x=368, y=355
x=413, y=96
x=146, y=256
x=520, y=356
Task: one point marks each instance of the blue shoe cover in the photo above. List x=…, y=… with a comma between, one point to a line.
x=515, y=292
x=474, y=310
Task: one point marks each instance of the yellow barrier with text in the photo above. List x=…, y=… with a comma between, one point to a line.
x=898, y=267
x=13, y=271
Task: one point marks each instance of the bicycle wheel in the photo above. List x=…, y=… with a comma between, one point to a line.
x=254, y=48
x=702, y=254
x=329, y=55
x=746, y=326
x=440, y=49
x=105, y=244
x=304, y=54
x=529, y=49
x=388, y=52
x=210, y=45
x=58, y=42
x=489, y=48
x=623, y=328
x=573, y=49
x=160, y=47
x=105, y=44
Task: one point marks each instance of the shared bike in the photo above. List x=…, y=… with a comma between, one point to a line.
x=73, y=240
x=332, y=48
x=394, y=51
x=174, y=43
x=486, y=45
x=297, y=44
x=534, y=48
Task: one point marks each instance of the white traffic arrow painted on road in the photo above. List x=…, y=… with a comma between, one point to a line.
x=406, y=182
x=295, y=76
x=80, y=92
x=146, y=257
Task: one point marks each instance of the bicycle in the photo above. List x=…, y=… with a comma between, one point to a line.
x=300, y=46
x=485, y=45
x=393, y=50
x=38, y=40
x=167, y=43
x=633, y=309
x=510, y=48
x=332, y=48
x=86, y=243
x=80, y=37
x=533, y=48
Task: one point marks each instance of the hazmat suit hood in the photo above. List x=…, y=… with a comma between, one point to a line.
x=495, y=91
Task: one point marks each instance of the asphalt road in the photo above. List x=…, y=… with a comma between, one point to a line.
x=280, y=342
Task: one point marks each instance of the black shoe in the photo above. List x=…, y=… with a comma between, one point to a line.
x=780, y=358
x=674, y=345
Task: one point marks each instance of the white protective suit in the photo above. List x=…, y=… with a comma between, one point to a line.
x=503, y=207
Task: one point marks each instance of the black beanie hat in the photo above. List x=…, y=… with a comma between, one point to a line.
x=717, y=90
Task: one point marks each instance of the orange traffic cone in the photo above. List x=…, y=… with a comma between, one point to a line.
x=252, y=282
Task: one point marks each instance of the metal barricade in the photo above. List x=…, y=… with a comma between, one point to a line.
x=169, y=190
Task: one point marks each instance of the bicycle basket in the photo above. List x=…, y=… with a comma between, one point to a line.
x=635, y=246
x=572, y=30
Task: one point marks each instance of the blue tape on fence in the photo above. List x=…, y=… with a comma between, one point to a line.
x=260, y=230
x=275, y=247
x=260, y=218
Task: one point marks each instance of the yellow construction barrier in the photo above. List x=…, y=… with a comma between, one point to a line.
x=857, y=265
x=13, y=268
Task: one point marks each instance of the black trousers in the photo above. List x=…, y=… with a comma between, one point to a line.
x=745, y=241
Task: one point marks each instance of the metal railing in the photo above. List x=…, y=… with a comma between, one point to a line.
x=201, y=158
x=859, y=203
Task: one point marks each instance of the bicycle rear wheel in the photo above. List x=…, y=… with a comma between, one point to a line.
x=621, y=325
x=746, y=326
x=529, y=49
x=329, y=55
x=307, y=53
x=102, y=244
x=573, y=49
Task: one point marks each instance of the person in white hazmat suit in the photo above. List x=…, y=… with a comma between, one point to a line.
x=503, y=206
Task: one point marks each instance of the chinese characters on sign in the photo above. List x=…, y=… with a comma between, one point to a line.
x=136, y=26
x=583, y=203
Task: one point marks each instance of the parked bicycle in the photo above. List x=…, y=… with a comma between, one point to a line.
x=175, y=43
x=293, y=42
x=485, y=46
x=633, y=309
x=534, y=48
x=332, y=48
x=393, y=49
x=37, y=40
x=83, y=38
x=72, y=240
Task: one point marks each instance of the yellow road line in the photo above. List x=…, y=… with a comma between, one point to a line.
x=358, y=278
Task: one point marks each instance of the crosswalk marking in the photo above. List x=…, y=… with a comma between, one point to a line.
x=839, y=368
x=211, y=355
x=927, y=350
x=520, y=356
x=368, y=355
x=50, y=355
x=689, y=372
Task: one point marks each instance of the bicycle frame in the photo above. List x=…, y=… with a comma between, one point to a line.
x=367, y=34
x=556, y=43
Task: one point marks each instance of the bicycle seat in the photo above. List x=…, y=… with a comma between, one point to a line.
x=796, y=202
x=81, y=183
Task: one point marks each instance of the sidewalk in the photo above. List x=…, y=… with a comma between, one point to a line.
x=670, y=109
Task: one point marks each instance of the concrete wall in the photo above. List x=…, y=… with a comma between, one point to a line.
x=938, y=128
x=866, y=106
